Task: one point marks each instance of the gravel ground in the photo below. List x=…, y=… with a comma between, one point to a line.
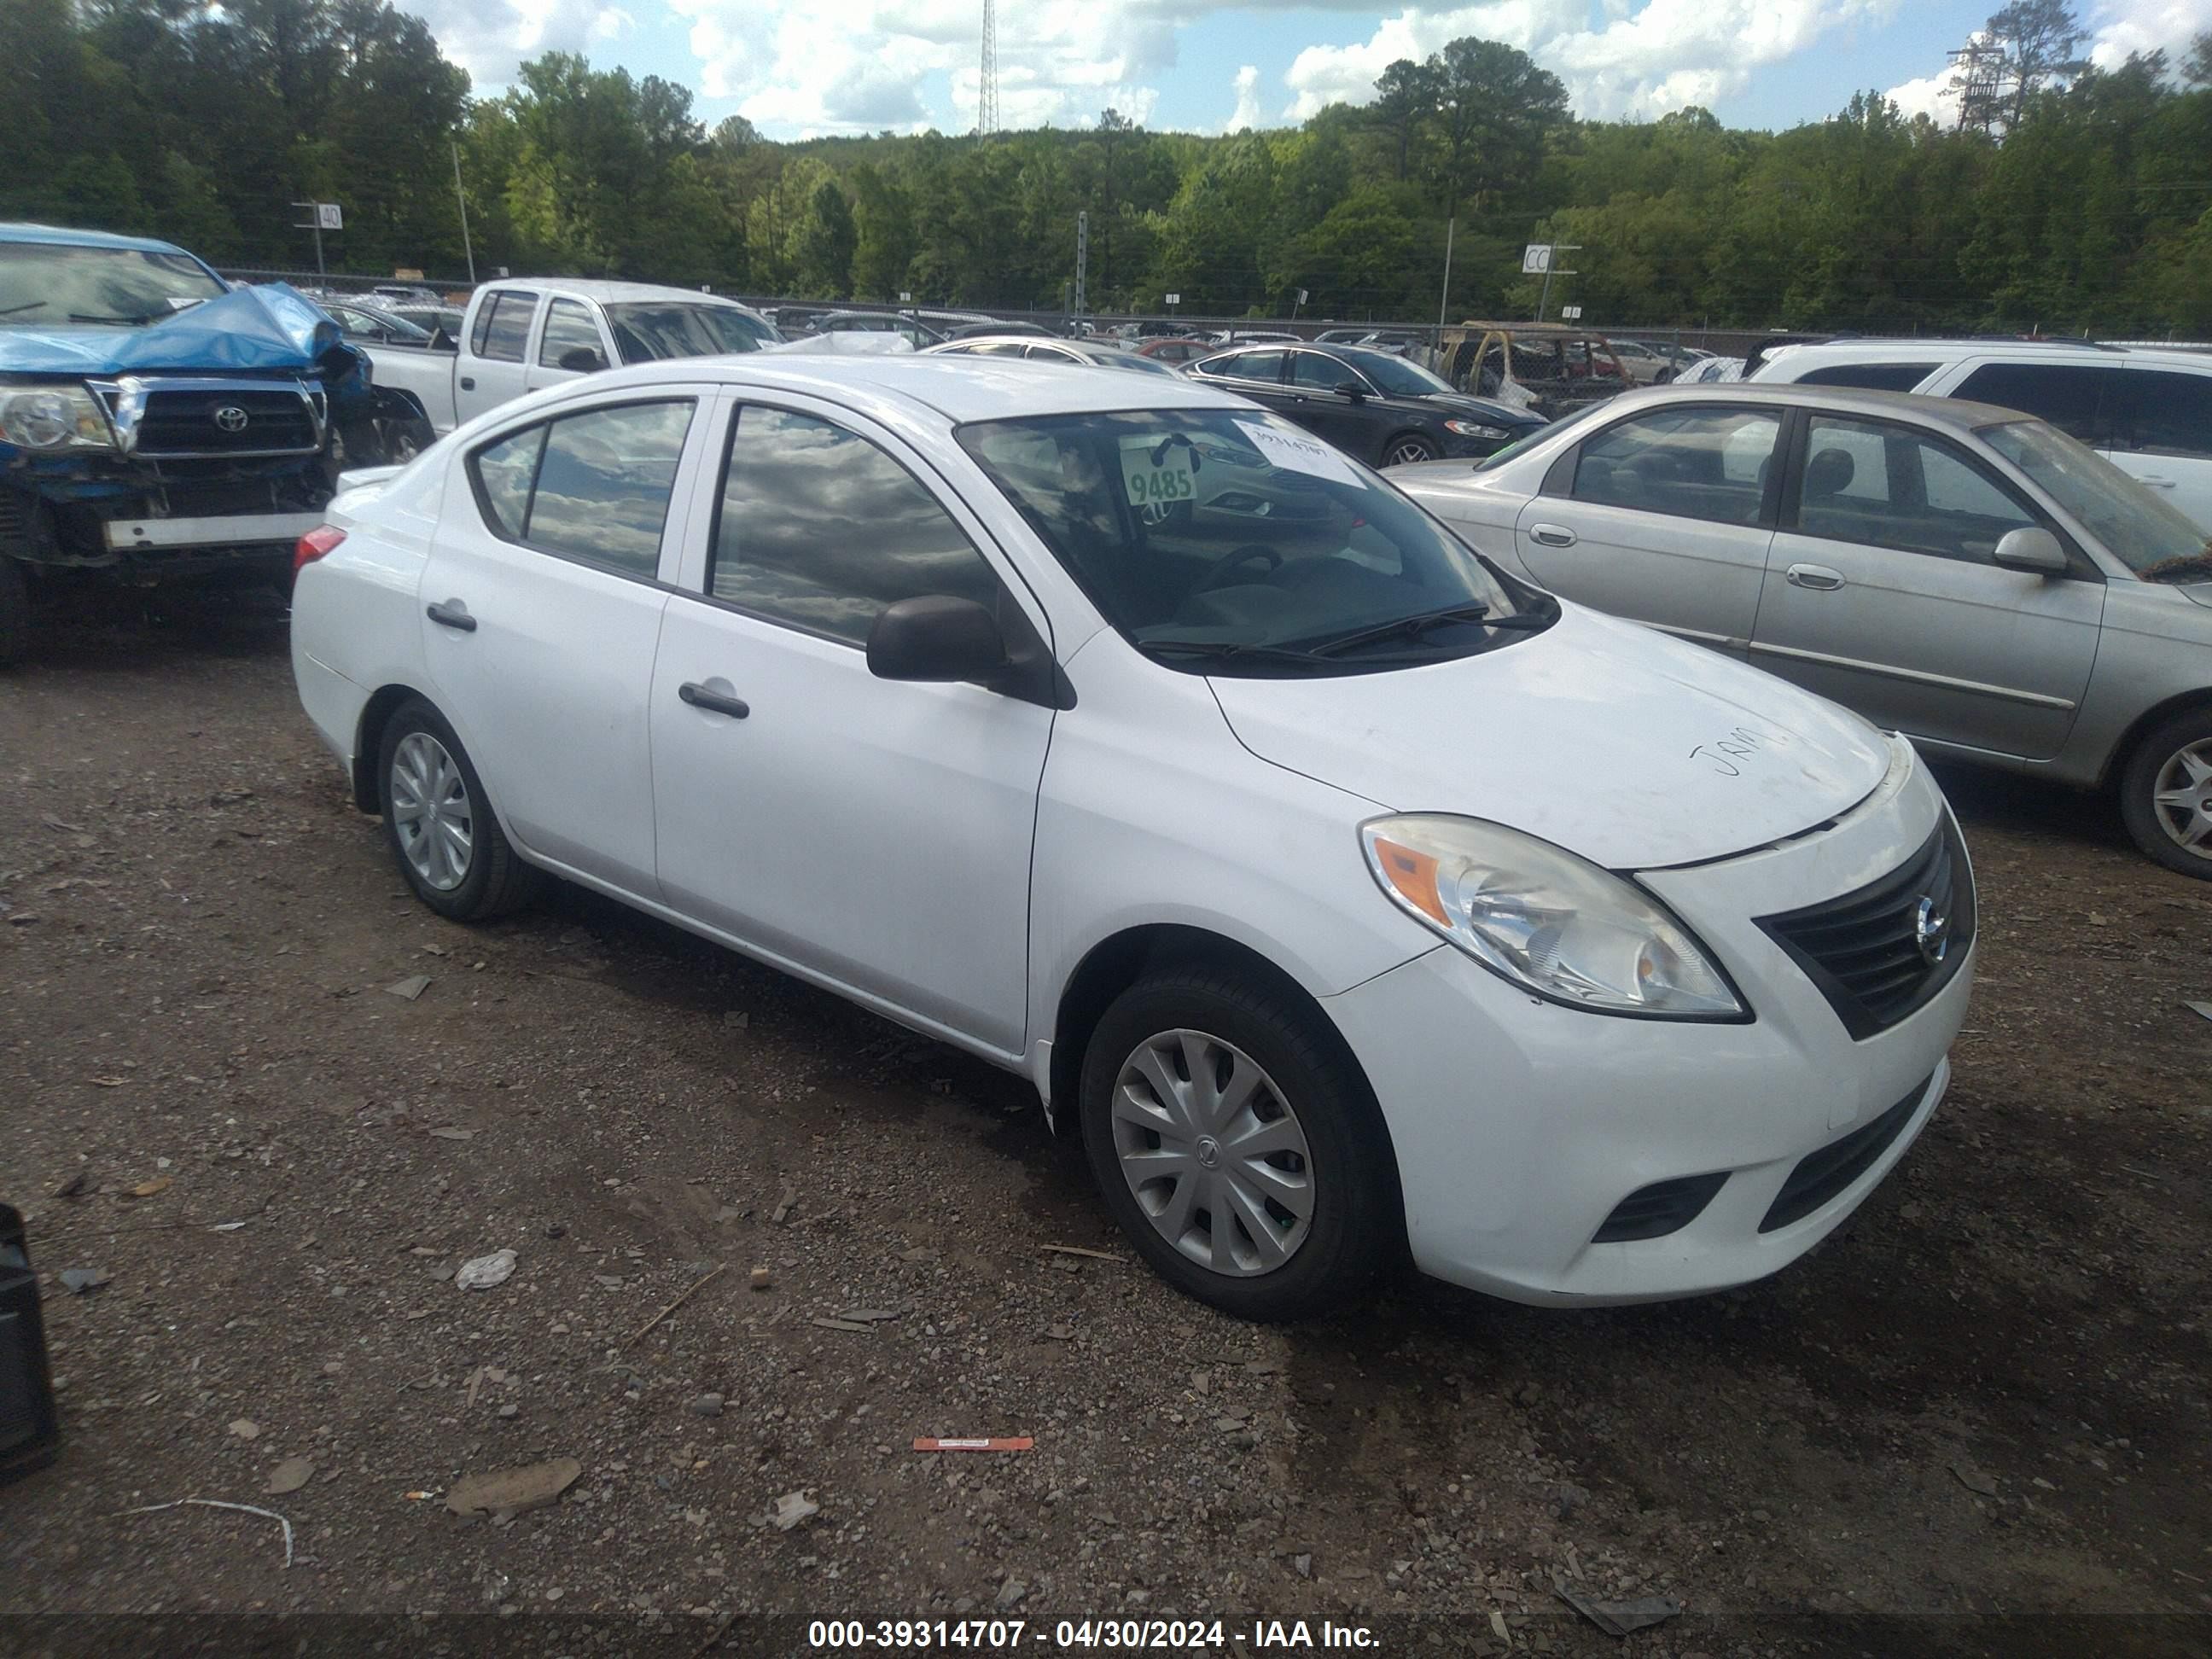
x=1986, y=1394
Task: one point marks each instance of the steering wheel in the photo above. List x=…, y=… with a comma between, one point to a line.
x=1215, y=572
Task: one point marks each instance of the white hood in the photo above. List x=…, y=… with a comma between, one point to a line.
x=1632, y=748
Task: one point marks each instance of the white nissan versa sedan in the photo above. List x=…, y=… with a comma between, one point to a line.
x=1342, y=891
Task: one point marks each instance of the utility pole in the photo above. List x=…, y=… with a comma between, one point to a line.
x=315, y=223
x=1082, y=257
x=1443, y=300
x=1298, y=305
x=1551, y=268
x=468, y=251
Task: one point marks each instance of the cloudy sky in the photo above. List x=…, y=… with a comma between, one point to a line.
x=801, y=67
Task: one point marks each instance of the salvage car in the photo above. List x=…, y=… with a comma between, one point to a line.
x=1343, y=892
x=156, y=425
x=520, y=336
x=1386, y=411
x=1965, y=575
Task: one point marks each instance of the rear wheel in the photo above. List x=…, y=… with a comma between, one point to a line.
x=444, y=834
x=1407, y=448
x=1237, y=1144
x=2166, y=793
x=404, y=440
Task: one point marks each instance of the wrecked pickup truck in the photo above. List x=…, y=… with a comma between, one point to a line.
x=158, y=425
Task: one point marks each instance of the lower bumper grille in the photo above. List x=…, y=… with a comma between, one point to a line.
x=1664, y=1207
x=1820, y=1176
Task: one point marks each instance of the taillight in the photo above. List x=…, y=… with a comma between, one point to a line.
x=313, y=546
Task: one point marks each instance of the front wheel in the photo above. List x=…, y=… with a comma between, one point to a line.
x=443, y=834
x=2166, y=793
x=1237, y=1144
x=404, y=440
x=1407, y=448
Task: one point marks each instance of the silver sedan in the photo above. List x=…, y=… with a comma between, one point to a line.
x=1962, y=573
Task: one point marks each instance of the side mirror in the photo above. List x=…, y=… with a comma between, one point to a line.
x=1353, y=390
x=935, y=637
x=582, y=359
x=2035, y=551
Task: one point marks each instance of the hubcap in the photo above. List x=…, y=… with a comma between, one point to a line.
x=1213, y=1153
x=2182, y=798
x=1406, y=452
x=432, y=812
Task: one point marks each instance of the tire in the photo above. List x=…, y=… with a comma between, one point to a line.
x=1341, y=1169
x=419, y=749
x=14, y=613
x=1407, y=448
x=2173, y=760
x=402, y=441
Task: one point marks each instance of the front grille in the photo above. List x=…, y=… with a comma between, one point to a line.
x=1664, y=1207
x=1864, y=951
x=183, y=423
x=1820, y=1176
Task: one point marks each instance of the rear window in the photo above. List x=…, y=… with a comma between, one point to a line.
x=504, y=328
x=1870, y=377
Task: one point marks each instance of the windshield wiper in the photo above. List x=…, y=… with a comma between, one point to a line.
x=1414, y=626
x=1226, y=651
x=27, y=305
x=76, y=316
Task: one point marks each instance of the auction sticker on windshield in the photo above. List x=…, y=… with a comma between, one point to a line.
x=1155, y=479
x=1297, y=454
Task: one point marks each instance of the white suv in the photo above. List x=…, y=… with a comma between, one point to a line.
x=2149, y=412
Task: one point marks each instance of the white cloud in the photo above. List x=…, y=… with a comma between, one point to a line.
x=1247, y=112
x=490, y=38
x=1640, y=60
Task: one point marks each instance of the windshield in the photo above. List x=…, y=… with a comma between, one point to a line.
x=43, y=284
x=1222, y=540
x=1397, y=376
x=649, y=332
x=2135, y=524
x=1499, y=457
x=1131, y=360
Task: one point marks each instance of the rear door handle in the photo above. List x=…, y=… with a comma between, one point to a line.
x=2156, y=483
x=714, y=702
x=1817, y=577
x=468, y=383
x=452, y=613
x=1552, y=535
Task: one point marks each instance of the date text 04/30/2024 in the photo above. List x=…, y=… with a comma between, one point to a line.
x=1127, y=1635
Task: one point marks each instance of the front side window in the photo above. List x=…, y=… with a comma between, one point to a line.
x=592, y=486
x=1887, y=487
x=2072, y=398
x=1694, y=463
x=569, y=329
x=1397, y=376
x=504, y=329
x=1228, y=541
x=822, y=529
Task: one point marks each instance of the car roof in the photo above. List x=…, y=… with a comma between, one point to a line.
x=1957, y=412
x=1814, y=354
x=956, y=388
x=607, y=293
x=62, y=236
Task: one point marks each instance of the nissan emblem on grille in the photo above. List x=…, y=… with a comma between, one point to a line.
x=231, y=418
x=1931, y=930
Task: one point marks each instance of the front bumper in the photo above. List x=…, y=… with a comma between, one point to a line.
x=1520, y=1126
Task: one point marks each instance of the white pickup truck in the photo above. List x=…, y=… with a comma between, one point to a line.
x=519, y=335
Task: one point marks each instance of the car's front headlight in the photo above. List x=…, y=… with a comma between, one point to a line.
x=1548, y=921
x=1476, y=429
x=53, y=417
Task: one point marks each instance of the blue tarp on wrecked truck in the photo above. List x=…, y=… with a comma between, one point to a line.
x=270, y=326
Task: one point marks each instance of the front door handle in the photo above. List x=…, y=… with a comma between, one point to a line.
x=1552, y=535
x=1817, y=577
x=468, y=383
x=714, y=702
x=452, y=613
x=2156, y=483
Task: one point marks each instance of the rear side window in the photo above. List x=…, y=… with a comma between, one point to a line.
x=786, y=546
x=1870, y=377
x=592, y=486
x=1316, y=373
x=1252, y=366
x=2074, y=397
x=504, y=328
x=2163, y=412
x=1709, y=464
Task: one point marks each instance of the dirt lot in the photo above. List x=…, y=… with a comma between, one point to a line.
x=1986, y=1395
